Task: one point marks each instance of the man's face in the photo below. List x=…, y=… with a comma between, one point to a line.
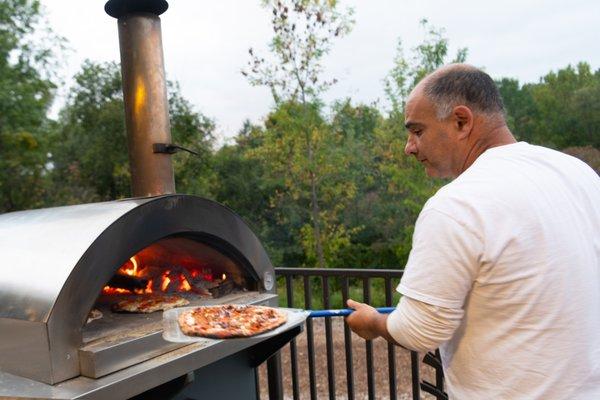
x=432, y=142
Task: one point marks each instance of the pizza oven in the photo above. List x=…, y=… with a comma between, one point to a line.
x=61, y=263
x=64, y=269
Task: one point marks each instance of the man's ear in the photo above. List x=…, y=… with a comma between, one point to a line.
x=463, y=121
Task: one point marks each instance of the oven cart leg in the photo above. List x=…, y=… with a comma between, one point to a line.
x=275, y=378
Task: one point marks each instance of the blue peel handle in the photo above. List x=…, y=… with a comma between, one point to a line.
x=344, y=312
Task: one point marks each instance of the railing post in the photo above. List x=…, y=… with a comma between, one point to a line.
x=310, y=340
x=414, y=364
x=289, y=280
x=329, y=341
x=348, y=344
x=391, y=347
x=369, y=343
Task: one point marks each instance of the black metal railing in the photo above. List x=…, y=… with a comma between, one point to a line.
x=312, y=288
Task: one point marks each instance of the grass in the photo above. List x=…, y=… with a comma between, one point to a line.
x=335, y=293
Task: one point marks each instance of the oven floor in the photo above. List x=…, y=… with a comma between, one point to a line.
x=123, y=326
x=119, y=340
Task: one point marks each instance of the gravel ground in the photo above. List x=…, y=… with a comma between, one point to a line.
x=380, y=363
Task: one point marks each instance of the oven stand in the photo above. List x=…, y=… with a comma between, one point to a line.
x=232, y=377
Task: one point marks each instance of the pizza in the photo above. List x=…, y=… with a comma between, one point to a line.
x=149, y=303
x=230, y=320
x=93, y=315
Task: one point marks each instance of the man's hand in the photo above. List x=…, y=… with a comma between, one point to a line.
x=366, y=322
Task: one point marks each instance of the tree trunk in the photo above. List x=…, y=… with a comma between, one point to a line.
x=315, y=212
x=314, y=200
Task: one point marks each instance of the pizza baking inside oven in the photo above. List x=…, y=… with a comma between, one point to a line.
x=149, y=303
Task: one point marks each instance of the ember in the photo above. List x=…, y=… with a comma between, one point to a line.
x=136, y=277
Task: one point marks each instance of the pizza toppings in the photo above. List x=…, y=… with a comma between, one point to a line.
x=149, y=303
x=230, y=320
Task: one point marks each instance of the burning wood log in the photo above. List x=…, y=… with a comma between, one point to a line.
x=128, y=282
x=224, y=288
x=197, y=285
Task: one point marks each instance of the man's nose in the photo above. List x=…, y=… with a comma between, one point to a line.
x=411, y=147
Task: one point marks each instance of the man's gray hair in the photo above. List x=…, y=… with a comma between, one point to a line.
x=463, y=85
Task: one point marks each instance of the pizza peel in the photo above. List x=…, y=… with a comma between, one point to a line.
x=173, y=333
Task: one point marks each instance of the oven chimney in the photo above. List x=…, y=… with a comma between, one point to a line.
x=144, y=94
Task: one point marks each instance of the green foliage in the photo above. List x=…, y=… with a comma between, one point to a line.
x=90, y=143
x=296, y=141
x=320, y=188
x=303, y=33
x=562, y=110
x=191, y=129
x=293, y=175
x=89, y=149
x=241, y=183
x=26, y=90
x=429, y=55
x=355, y=291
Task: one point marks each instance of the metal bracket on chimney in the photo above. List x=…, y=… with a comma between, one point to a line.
x=169, y=148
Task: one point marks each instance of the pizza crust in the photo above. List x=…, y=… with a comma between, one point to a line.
x=230, y=321
x=149, y=303
x=93, y=315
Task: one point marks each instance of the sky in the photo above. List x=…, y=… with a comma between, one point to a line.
x=206, y=44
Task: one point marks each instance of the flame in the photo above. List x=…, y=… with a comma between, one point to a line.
x=165, y=283
x=111, y=290
x=131, y=271
x=149, y=287
x=167, y=280
x=184, y=286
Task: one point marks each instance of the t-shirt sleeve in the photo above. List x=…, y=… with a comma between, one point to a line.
x=420, y=326
x=444, y=261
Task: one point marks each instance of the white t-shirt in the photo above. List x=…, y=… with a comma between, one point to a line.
x=515, y=241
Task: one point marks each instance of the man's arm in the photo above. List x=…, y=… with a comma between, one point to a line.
x=414, y=325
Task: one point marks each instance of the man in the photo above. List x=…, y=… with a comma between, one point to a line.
x=504, y=272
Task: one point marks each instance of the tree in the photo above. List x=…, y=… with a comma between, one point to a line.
x=191, y=129
x=243, y=184
x=521, y=110
x=26, y=92
x=561, y=110
x=90, y=148
x=303, y=33
x=90, y=152
x=429, y=55
x=565, y=103
x=402, y=185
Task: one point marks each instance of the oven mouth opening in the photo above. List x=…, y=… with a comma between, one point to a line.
x=197, y=268
x=193, y=267
x=184, y=265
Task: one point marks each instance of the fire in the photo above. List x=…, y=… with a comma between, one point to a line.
x=131, y=271
x=223, y=277
x=111, y=290
x=149, y=287
x=165, y=283
x=176, y=279
x=184, y=286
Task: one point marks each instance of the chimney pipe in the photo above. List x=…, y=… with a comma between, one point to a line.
x=144, y=94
